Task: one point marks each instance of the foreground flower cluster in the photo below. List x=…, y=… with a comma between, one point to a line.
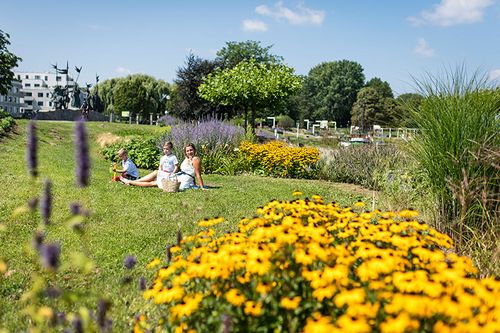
x=307, y=266
x=278, y=159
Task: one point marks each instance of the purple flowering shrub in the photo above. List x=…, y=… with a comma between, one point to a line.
x=215, y=141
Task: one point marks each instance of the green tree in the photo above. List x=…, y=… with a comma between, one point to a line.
x=186, y=104
x=235, y=52
x=330, y=90
x=140, y=94
x=372, y=108
x=7, y=62
x=406, y=103
x=383, y=87
x=250, y=85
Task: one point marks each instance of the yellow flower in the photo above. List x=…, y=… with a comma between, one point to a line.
x=297, y=194
x=190, y=304
x=234, y=297
x=290, y=303
x=319, y=324
x=153, y=263
x=252, y=308
x=359, y=204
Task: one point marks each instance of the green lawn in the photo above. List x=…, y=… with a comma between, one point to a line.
x=125, y=220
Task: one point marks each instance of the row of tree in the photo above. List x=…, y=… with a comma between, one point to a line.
x=246, y=80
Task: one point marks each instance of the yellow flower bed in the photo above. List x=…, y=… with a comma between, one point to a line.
x=309, y=266
x=278, y=159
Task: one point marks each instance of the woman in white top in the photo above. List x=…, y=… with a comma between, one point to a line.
x=168, y=167
x=190, y=169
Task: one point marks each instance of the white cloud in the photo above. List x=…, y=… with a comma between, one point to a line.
x=452, y=12
x=423, y=48
x=494, y=75
x=123, y=70
x=300, y=16
x=254, y=25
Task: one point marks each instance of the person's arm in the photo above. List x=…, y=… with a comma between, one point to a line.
x=197, y=172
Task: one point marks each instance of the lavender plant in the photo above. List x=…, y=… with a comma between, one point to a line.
x=82, y=158
x=31, y=150
x=46, y=202
x=214, y=140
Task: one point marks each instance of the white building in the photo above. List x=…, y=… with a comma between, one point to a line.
x=12, y=102
x=37, y=88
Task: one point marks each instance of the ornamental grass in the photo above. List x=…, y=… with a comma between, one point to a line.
x=277, y=159
x=309, y=266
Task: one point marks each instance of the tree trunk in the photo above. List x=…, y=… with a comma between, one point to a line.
x=245, y=111
x=252, y=119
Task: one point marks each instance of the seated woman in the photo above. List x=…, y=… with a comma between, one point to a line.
x=168, y=166
x=190, y=169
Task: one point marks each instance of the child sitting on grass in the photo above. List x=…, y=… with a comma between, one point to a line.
x=168, y=167
x=129, y=170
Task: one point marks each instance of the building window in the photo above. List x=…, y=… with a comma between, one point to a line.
x=27, y=84
x=37, y=77
x=29, y=102
x=28, y=93
x=18, y=77
x=40, y=94
x=50, y=103
x=58, y=78
x=46, y=78
x=47, y=95
x=40, y=103
x=27, y=76
x=37, y=85
x=10, y=98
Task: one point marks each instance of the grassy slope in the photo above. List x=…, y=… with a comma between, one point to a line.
x=125, y=220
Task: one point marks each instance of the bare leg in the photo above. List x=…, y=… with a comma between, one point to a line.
x=148, y=177
x=139, y=182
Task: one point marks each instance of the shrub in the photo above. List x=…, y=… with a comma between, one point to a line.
x=275, y=158
x=362, y=165
x=306, y=266
x=144, y=152
x=214, y=140
x=6, y=122
x=457, y=150
x=285, y=122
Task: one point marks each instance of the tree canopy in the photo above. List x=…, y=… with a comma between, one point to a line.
x=186, y=104
x=330, y=90
x=8, y=61
x=372, y=108
x=235, y=52
x=383, y=87
x=140, y=94
x=250, y=85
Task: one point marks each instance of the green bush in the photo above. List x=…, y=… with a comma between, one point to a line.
x=285, y=122
x=361, y=165
x=6, y=122
x=144, y=152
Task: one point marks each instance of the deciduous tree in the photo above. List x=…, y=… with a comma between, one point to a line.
x=250, y=85
x=7, y=62
x=330, y=90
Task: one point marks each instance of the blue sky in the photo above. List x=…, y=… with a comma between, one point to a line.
x=391, y=39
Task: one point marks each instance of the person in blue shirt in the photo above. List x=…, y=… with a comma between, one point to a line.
x=129, y=170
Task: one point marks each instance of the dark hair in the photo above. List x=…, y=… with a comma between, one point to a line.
x=190, y=145
x=169, y=145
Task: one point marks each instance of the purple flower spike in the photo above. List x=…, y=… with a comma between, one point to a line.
x=33, y=203
x=75, y=208
x=38, y=240
x=142, y=283
x=130, y=262
x=50, y=255
x=82, y=158
x=31, y=149
x=46, y=201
